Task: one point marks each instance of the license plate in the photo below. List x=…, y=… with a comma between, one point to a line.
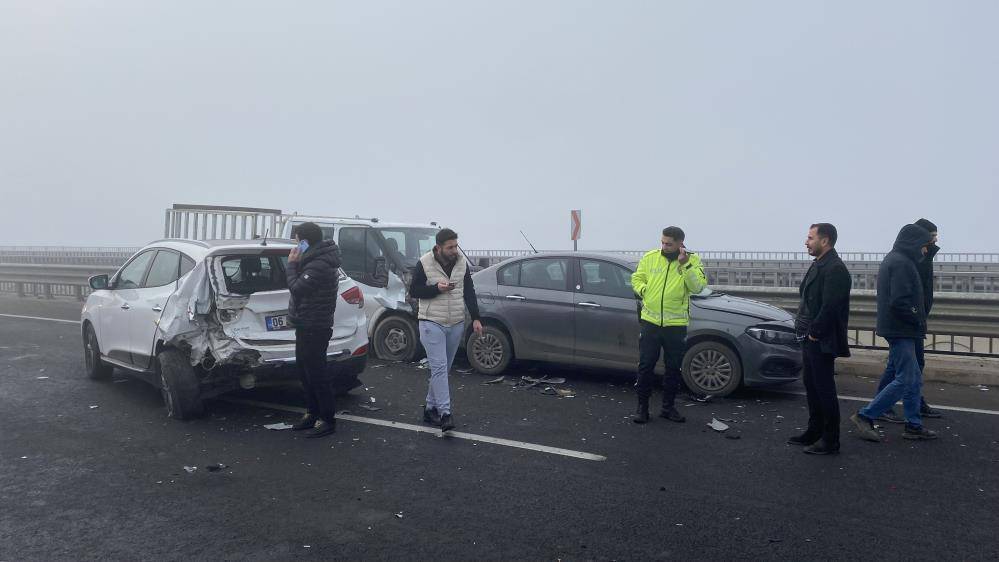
x=275, y=323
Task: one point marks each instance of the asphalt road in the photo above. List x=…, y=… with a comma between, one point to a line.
x=96, y=471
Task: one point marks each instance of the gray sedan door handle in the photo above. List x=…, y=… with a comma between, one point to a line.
x=589, y=304
x=157, y=308
x=125, y=306
x=516, y=298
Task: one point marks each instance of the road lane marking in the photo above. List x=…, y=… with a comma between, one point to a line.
x=430, y=430
x=38, y=318
x=935, y=406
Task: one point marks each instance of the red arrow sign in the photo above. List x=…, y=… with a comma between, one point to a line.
x=577, y=225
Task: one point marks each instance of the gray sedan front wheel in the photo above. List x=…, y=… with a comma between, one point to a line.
x=712, y=367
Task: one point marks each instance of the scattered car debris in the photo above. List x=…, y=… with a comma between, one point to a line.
x=565, y=392
x=981, y=387
x=378, y=366
x=41, y=378
x=370, y=408
x=399, y=515
x=191, y=469
x=94, y=407
x=216, y=467
x=543, y=380
x=496, y=380
x=464, y=371
x=717, y=425
x=278, y=426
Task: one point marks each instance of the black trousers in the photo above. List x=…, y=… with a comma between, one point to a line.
x=820, y=388
x=654, y=340
x=310, y=357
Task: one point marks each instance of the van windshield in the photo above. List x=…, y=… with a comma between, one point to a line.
x=408, y=244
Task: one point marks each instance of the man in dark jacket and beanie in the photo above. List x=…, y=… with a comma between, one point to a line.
x=901, y=321
x=925, y=268
x=313, y=278
x=821, y=328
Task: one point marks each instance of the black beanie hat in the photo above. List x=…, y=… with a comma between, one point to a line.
x=929, y=226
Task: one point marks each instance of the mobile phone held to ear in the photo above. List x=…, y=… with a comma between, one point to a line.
x=303, y=246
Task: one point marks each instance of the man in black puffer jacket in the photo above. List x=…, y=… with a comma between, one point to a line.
x=901, y=321
x=313, y=279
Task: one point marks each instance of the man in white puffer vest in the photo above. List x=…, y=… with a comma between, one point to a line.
x=442, y=282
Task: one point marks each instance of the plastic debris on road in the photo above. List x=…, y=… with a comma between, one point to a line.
x=278, y=426
x=717, y=425
x=543, y=380
x=496, y=380
x=370, y=408
x=191, y=469
x=41, y=378
x=94, y=407
x=981, y=387
x=216, y=467
x=463, y=371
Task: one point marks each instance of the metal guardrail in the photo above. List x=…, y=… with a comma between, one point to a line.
x=983, y=258
x=960, y=324
x=52, y=277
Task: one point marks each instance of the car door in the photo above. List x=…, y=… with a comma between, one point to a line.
x=537, y=304
x=116, y=311
x=606, y=313
x=160, y=282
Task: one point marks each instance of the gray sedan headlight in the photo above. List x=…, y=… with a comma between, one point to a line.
x=772, y=336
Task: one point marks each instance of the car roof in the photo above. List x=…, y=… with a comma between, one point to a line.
x=201, y=248
x=373, y=223
x=617, y=257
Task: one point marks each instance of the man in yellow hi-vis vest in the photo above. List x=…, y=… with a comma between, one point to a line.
x=664, y=281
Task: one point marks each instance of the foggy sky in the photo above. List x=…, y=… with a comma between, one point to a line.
x=742, y=122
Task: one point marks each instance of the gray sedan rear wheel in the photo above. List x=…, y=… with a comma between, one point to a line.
x=490, y=353
x=713, y=368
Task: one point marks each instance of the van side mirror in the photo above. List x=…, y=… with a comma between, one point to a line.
x=99, y=282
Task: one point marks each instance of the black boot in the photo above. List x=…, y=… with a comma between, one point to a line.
x=642, y=414
x=670, y=413
x=308, y=421
x=322, y=429
x=822, y=447
x=805, y=439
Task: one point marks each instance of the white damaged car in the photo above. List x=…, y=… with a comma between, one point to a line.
x=200, y=318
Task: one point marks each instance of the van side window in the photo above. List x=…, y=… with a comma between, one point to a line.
x=352, y=251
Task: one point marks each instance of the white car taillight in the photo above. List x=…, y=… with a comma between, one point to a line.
x=354, y=296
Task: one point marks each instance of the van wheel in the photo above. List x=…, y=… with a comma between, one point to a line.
x=179, y=385
x=490, y=353
x=97, y=369
x=396, y=339
x=713, y=368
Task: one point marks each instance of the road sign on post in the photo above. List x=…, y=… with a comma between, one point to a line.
x=576, y=231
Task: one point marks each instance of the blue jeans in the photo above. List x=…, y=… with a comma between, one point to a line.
x=906, y=383
x=889, y=374
x=441, y=343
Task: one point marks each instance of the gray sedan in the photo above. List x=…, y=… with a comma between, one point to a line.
x=579, y=308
